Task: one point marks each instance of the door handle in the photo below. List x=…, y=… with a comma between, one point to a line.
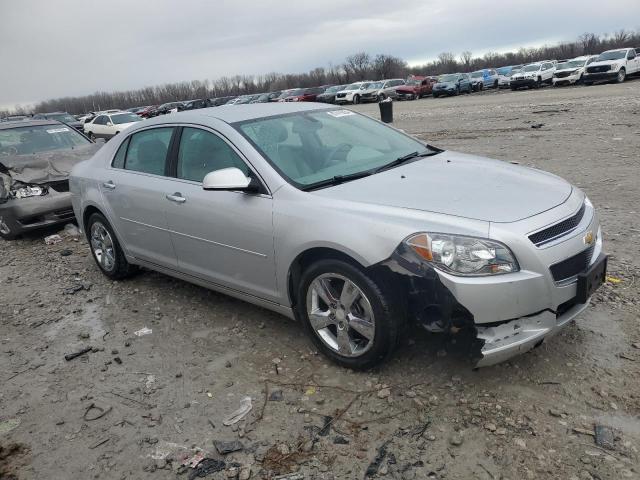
x=176, y=197
x=110, y=185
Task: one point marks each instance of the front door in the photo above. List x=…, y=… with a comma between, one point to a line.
x=134, y=190
x=225, y=237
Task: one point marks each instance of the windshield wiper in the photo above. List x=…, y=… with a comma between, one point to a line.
x=407, y=157
x=336, y=180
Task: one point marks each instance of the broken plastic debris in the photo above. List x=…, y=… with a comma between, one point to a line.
x=224, y=448
x=143, y=331
x=310, y=391
x=240, y=413
x=52, y=239
x=614, y=280
x=194, y=460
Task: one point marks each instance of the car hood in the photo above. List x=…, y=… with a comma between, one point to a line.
x=45, y=167
x=606, y=63
x=444, y=84
x=460, y=185
x=572, y=69
x=407, y=87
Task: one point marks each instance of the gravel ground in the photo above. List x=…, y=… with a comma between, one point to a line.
x=138, y=406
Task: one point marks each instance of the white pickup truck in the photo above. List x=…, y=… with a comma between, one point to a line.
x=613, y=65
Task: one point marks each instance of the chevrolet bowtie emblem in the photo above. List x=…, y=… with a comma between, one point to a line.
x=588, y=238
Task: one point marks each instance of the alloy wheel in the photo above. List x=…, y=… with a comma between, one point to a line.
x=621, y=75
x=340, y=314
x=4, y=228
x=102, y=246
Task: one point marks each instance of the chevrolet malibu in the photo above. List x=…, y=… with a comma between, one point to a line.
x=350, y=226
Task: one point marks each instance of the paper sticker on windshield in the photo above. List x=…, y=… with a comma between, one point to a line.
x=58, y=130
x=340, y=113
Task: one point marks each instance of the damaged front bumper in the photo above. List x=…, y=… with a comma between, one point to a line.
x=509, y=314
x=21, y=215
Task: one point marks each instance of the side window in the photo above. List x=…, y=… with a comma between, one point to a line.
x=147, y=151
x=202, y=152
x=118, y=160
x=632, y=54
x=101, y=120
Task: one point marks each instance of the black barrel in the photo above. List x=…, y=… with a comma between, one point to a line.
x=386, y=111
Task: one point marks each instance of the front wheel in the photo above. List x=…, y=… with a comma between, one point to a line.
x=381, y=97
x=348, y=314
x=356, y=99
x=622, y=74
x=91, y=136
x=106, y=250
x=5, y=231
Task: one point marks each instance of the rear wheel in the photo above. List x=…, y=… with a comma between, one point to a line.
x=622, y=75
x=106, y=250
x=348, y=314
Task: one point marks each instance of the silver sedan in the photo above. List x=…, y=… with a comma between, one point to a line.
x=348, y=225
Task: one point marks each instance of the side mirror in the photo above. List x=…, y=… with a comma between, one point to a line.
x=229, y=179
x=109, y=124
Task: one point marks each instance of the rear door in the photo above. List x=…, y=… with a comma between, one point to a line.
x=134, y=189
x=225, y=237
x=98, y=126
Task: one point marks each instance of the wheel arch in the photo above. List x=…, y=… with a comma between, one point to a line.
x=307, y=257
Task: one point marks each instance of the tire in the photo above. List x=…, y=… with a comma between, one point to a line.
x=91, y=136
x=538, y=83
x=5, y=232
x=435, y=95
x=580, y=80
x=457, y=91
x=379, y=317
x=514, y=88
x=356, y=99
x=381, y=97
x=101, y=237
x=495, y=84
x=622, y=75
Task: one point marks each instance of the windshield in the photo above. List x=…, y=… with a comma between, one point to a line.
x=479, y=74
x=354, y=86
x=296, y=93
x=335, y=89
x=448, y=78
x=571, y=64
x=413, y=82
x=375, y=85
x=307, y=148
x=515, y=70
x=124, y=118
x=531, y=68
x=41, y=138
x=614, y=55
x=61, y=117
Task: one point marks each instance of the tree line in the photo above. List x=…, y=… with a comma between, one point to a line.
x=358, y=66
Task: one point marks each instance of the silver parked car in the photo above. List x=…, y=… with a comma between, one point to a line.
x=346, y=224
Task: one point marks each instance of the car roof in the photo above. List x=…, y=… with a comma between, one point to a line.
x=27, y=123
x=239, y=113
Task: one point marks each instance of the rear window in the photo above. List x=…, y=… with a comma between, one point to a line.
x=41, y=138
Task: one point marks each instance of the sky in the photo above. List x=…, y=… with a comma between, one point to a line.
x=55, y=48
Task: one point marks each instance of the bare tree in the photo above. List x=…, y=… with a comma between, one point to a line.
x=359, y=64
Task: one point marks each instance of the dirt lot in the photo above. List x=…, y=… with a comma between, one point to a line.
x=137, y=406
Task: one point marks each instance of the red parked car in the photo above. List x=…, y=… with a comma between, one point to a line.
x=416, y=87
x=147, y=112
x=303, y=94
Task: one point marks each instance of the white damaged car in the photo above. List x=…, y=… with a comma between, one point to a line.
x=572, y=71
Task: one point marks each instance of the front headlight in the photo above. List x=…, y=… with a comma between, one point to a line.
x=462, y=255
x=29, y=191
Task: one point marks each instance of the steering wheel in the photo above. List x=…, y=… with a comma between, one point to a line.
x=343, y=149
